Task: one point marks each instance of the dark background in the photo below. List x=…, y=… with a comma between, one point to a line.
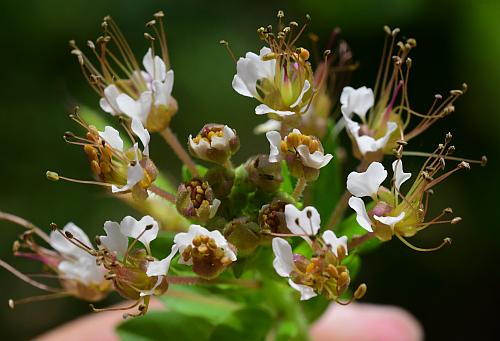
x=453, y=292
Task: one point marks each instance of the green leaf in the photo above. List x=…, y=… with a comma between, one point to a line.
x=329, y=186
x=164, y=325
x=247, y=324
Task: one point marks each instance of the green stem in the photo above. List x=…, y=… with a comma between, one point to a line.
x=174, y=143
x=299, y=188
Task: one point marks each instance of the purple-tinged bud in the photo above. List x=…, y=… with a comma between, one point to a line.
x=195, y=200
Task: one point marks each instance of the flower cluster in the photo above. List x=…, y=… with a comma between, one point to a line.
x=221, y=220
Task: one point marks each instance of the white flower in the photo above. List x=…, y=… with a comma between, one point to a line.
x=251, y=69
x=284, y=265
x=77, y=264
x=139, y=108
x=315, y=160
x=108, y=102
x=221, y=143
x=163, y=90
x=305, y=223
x=184, y=239
x=366, y=143
x=145, y=231
x=331, y=240
x=357, y=101
x=366, y=184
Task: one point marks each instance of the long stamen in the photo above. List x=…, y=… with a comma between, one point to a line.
x=24, y=223
x=53, y=176
x=26, y=279
x=149, y=227
x=446, y=241
x=97, y=310
x=229, y=51
x=14, y=303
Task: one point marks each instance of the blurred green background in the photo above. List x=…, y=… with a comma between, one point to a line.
x=453, y=292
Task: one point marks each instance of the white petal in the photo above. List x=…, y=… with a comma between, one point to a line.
x=222, y=143
x=135, y=174
x=264, y=109
x=390, y=221
x=344, y=96
x=160, y=268
x=267, y=126
x=163, y=90
x=331, y=239
x=130, y=227
x=142, y=133
x=369, y=144
x=250, y=69
x=357, y=101
x=362, y=218
x=283, y=260
x=152, y=290
x=114, y=240
x=399, y=175
x=136, y=109
x=306, y=292
x=199, y=148
x=155, y=69
x=83, y=270
x=305, y=88
x=108, y=102
x=112, y=137
x=307, y=221
x=274, y=139
x=316, y=160
x=366, y=184
x=184, y=239
x=64, y=246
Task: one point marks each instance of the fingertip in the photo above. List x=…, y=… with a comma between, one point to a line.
x=357, y=322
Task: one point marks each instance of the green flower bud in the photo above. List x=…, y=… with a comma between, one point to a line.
x=243, y=233
x=264, y=174
x=221, y=180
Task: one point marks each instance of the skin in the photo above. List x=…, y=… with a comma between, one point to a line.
x=355, y=322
